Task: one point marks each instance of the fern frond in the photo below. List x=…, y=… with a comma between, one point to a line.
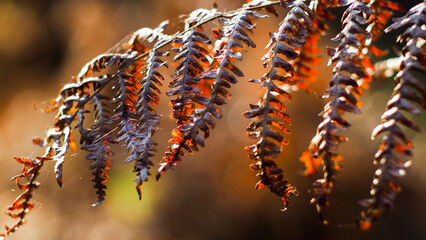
x=22, y=204
x=134, y=60
x=350, y=73
x=125, y=85
x=73, y=97
x=191, y=60
x=96, y=141
x=61, y=134
x=191, y=49
x=148, y=118
x=270, y=111
x=186, y=136
x=137, y=91
x=126, y=115
x=382, y=12
x=396, y=149
x=71, y=102
x=122, y=86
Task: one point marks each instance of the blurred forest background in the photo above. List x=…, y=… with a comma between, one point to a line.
x=211, y=195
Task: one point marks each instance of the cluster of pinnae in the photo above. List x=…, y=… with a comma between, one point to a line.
x=121, y=88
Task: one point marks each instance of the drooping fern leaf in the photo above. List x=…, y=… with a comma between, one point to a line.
x=96, y=141
x=22, y=205
x=396, y=149
x=191, y=52
x=382, y=12
x=148, y=118
x=186, y=136
x=270, y=111
x=349, y=74
x=121, y=88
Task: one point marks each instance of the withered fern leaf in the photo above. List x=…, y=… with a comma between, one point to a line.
x=96, y=141
x=270, y=111
x=350, y=75
x=395, y=152
x=184, y=85
x=148, y=118
x=186, y=136
x=22, y=205
x=113, y=99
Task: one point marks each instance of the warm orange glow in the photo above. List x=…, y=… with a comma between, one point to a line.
x=364, y=225
x=311, y=163
x=260, y=185
x=72, y=144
